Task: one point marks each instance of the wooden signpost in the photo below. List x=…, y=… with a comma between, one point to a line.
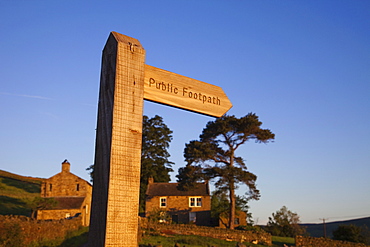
x=125, y=82
x=172, y=89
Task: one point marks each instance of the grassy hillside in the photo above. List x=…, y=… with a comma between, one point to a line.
x=317, y=230
x=16, y=191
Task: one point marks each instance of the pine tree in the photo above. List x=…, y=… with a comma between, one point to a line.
x=154, y=154
x=214, y=157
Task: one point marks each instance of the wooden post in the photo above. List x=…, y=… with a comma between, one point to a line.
x=115, y=203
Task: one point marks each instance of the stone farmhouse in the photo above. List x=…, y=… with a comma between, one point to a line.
x=184, y=206
x=72, y=193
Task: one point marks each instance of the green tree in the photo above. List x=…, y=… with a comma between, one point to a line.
x=90, y=169
x=214, y=157
x=41, y=203
x=154, y=154
x=351, y=233
x=156, y=138
x=284, y=223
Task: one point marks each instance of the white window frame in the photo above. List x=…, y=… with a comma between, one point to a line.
x=195, y=202
x=162, y=200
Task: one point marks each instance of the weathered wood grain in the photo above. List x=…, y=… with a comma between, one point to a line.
x=114, y=218
x=172, y=89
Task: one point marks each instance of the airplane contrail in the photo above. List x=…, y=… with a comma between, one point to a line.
x=26, y=96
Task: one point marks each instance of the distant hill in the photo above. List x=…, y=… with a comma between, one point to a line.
x=317, y=230
x=16, y=191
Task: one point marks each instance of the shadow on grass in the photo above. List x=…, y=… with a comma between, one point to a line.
x=23, y=185
x=78, y=240
x=14, y=206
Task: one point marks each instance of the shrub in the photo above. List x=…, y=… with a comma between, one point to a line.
x=11, y=235
x=351, y=233
x=159, y=215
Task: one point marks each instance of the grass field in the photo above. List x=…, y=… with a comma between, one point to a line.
x=280, y=241
x=188, y=241
x=76, y=239
x=198, y=241
x=16, y=191
x=80, y=237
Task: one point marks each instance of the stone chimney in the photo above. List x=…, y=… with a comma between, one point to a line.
x=66, y=166
x=150, y=180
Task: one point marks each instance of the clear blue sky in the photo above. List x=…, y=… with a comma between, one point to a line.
x=302, y=66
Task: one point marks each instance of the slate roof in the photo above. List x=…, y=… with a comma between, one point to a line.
x=170, y=189
x=69, y=202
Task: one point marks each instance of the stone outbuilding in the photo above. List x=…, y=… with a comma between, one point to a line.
x=193, y=206
x=72, y=193
x=239, y=220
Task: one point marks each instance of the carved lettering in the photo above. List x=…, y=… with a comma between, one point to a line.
x=170, y=88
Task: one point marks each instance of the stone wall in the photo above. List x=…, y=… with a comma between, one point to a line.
x=28, y=230
x=219, y=233
x=57, y=214
x=301, y=241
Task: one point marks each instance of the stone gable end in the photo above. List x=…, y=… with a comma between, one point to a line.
x=72, y=193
